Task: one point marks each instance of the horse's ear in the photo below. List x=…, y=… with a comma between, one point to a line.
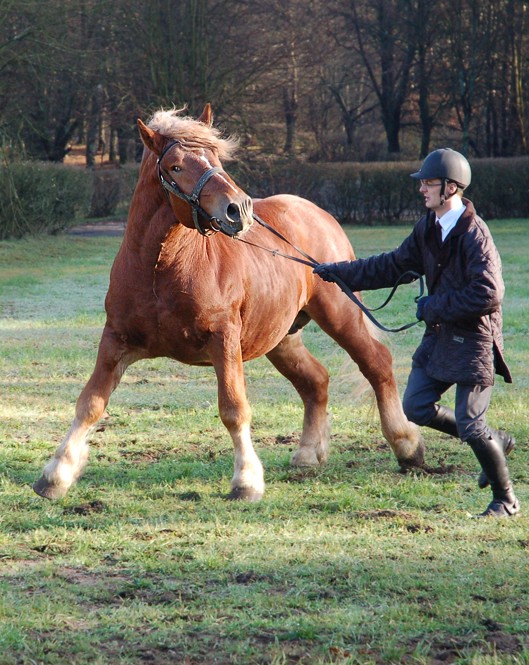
x=151, y=139
x=206, y=117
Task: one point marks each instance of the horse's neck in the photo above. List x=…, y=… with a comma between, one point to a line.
x=150, y=218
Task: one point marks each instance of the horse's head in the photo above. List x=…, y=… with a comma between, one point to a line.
x=189, y=168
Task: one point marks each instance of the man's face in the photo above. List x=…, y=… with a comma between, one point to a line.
x=431, y=190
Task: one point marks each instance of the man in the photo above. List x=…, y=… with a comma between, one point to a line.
x=463, y=342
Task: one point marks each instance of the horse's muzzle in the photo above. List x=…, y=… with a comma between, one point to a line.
x=238, y=217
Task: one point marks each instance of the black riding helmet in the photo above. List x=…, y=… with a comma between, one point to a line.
x=446, y=164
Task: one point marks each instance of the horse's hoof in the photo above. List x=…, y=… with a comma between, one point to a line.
x=416, y=461
x=245, y=494
x=48, y=490
x=410, y=467
x=305, y=457
x=412, y=464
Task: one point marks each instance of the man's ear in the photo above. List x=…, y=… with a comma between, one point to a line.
x=151, y=139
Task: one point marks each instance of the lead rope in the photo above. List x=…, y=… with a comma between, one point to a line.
x=312, y=263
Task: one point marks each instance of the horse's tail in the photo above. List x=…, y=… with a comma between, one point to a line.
x=349, y=381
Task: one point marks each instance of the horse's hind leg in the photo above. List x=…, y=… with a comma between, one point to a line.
x=71, y=456
x=311, y=380
x=374, y=360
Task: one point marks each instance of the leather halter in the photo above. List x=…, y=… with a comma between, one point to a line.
x=193, y=199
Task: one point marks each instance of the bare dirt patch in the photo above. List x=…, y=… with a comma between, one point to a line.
x=104, y=228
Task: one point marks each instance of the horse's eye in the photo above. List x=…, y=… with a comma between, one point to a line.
x=175, y=169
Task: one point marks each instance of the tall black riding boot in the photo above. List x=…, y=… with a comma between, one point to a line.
x=489, y=453
x=507, y=442
x=444, y=421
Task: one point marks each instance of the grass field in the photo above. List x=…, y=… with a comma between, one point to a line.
x=146, y=562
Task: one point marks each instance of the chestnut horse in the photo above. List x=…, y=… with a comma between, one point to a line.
x=179, y=290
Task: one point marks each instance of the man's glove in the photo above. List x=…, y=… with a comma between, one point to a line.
x=420, y=307
x=325, y=271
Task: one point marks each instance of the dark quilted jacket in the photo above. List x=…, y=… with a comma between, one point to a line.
x=463, y=342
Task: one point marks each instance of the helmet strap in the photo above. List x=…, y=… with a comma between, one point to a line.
x=442, y=191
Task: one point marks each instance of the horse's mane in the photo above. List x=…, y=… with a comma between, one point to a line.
x=192, y=133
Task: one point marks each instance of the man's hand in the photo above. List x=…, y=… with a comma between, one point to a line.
x=421, y=303
x=325, y=271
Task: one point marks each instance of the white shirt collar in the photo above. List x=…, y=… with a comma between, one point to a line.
x=449, y=219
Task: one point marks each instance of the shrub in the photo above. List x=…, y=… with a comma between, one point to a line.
x=354, y=193
x=369, y=193
x=39, y=197
x=106, y=188
x=500, y=187
x=112, y=189
x=47, y=198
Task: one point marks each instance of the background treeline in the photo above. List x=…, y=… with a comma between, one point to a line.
x=325, y=80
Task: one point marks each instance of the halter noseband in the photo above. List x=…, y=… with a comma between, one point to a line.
x=193, y=199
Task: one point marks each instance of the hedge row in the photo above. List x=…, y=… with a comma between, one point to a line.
x=384, y=193
x=47, y=198
x=38, y=197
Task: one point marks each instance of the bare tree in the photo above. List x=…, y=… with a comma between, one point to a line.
x=428, y=75
x=516, y=40
x=468, y=33
x=383, y=35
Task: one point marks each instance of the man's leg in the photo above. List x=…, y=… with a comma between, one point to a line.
x=420, y=402
x=420, y=406
x=472, y=403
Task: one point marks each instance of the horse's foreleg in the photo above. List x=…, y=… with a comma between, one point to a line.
x=311, y=380
x=235, y=412
x=71, y=456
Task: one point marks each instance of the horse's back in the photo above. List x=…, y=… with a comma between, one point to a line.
x=306, y=225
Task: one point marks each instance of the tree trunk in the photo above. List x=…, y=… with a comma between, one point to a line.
x=290, y=107
x=94, y=126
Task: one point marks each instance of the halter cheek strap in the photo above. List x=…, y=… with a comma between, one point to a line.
x=193, y=199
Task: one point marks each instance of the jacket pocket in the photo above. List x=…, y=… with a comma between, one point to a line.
x=462, y=356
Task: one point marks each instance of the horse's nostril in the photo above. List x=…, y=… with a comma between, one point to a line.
x=233, y=212
x=239, y=215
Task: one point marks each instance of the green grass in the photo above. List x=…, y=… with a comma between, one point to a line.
x=146, y=562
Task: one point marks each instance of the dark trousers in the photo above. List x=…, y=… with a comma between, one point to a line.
x=471, y=403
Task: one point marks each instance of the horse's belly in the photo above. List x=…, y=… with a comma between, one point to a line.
x=189, y=341
x=182, y=342
x=182, y=321
x=261, y=334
